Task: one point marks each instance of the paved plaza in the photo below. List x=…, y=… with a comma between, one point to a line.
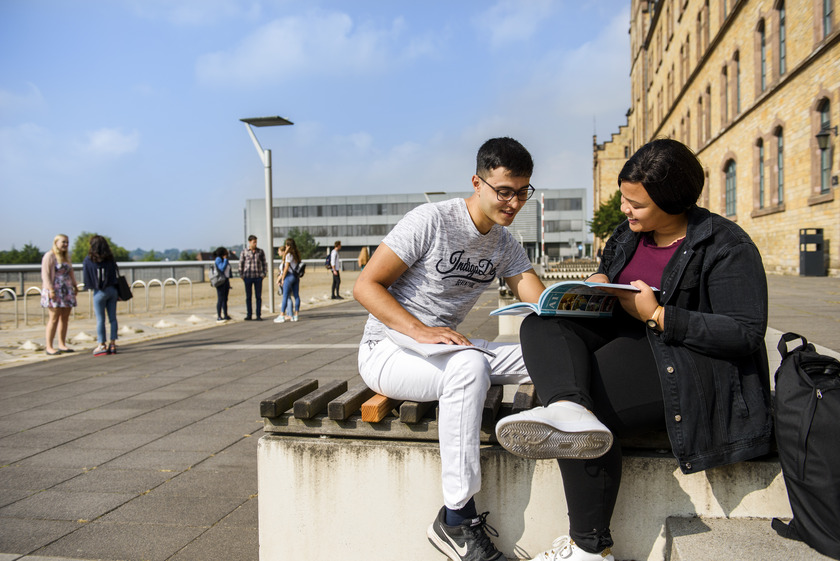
x=151, y=454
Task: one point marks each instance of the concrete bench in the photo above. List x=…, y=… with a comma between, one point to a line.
x=331, y=483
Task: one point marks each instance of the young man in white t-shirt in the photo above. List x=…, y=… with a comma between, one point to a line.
x=421, y=281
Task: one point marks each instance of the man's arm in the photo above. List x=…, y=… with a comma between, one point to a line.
x=526, y=286
x=371, y=291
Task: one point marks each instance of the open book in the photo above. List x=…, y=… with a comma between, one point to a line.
x=429, y=349
x=569, y=298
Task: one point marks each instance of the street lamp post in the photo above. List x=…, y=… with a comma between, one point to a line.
x=265, y=156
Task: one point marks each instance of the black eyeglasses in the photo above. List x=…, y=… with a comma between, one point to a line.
x=506, y=194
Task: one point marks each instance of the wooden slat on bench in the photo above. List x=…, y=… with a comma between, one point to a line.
x=492, y=403
x=413, y=411
x=377, y=408
x=280, y=402
x=311, y=404
x=342, y=407
x=525, y=398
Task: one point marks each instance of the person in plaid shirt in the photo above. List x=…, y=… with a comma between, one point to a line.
x=253, y=269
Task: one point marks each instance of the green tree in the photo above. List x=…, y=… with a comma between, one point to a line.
x=150, y=256
x=187, y=255
x=306, y=244
x=28, y=254
x=607, y=217
x=81, y=247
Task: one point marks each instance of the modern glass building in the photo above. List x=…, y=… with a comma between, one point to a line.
x=363, y=220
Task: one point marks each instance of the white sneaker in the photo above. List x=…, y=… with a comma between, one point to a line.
x=561, y=430
x=294, y=318
x=280, y=319
x=564, y=548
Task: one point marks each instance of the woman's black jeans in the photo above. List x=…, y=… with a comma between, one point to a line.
x=222, y=299
x=607, y=366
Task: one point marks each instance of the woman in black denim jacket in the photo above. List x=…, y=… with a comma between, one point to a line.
x=689, y=357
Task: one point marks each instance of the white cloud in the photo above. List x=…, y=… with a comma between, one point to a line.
x=510, y=21
x=316, y=44
x=110, y=142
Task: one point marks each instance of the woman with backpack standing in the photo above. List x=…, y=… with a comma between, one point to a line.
x=290, y=282
x=100, y=274
x=222, y=290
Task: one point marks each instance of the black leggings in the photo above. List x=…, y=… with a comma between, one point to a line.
x=222, y=299
x=607, y=366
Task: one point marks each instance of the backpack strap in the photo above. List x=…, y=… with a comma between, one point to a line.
x=788, y=337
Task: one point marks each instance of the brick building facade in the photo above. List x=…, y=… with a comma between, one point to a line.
x=753, y=87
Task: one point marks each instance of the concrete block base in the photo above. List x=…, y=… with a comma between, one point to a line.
x=369, y=499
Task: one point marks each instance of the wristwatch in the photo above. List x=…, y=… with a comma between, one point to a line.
x=652, y=323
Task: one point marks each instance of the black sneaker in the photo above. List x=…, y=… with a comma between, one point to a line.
x=466, y=542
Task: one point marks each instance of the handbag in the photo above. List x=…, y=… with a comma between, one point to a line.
x=123, y=290
x=217, y=277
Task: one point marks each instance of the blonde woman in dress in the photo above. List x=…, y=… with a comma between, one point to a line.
x=58, y=293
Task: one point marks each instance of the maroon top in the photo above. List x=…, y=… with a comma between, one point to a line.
x=648, y=262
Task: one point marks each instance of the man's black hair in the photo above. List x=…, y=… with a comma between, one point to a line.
x=504, y=152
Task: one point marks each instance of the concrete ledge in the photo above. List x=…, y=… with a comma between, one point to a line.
x=751, y=539
x=321, y=497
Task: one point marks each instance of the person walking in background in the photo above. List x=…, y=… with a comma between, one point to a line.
x=100, y=275
x=58, y=293
x=335, y=267
x=222, y=291
x=253, y=268
x=364, y=256
x=290, y=282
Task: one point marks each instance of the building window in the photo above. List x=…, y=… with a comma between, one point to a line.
x=825, y=154
x=782, y=44
x=730, y=169
x=762, y=47
x=724, y=95
x=737, y=83
x=708, y=114
x=566, y=203
x=760, y=173
x=688, y=127
x=700, y=121
x=827, y=9
x=780, y=164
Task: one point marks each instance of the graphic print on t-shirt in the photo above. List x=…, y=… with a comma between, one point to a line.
x=465, y=271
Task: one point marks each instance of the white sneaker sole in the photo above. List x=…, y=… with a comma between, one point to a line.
x=540, y=441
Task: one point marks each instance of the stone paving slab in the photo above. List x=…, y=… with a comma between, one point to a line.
x=195, y=389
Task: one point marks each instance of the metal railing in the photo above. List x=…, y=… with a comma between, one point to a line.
x=192, y=272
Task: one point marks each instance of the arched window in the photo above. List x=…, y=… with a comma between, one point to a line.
x=782, y=39
x=762, y=47
x=761, y=186
x=780, y=164
x=737, y=82
x=724, y=95
x=731, y=185
x=825, y=153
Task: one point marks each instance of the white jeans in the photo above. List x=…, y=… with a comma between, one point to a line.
x=458, y=382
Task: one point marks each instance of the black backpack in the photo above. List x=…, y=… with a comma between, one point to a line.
x=327, y=263
x=807, y=415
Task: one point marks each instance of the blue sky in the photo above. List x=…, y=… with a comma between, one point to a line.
x=122, y=116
